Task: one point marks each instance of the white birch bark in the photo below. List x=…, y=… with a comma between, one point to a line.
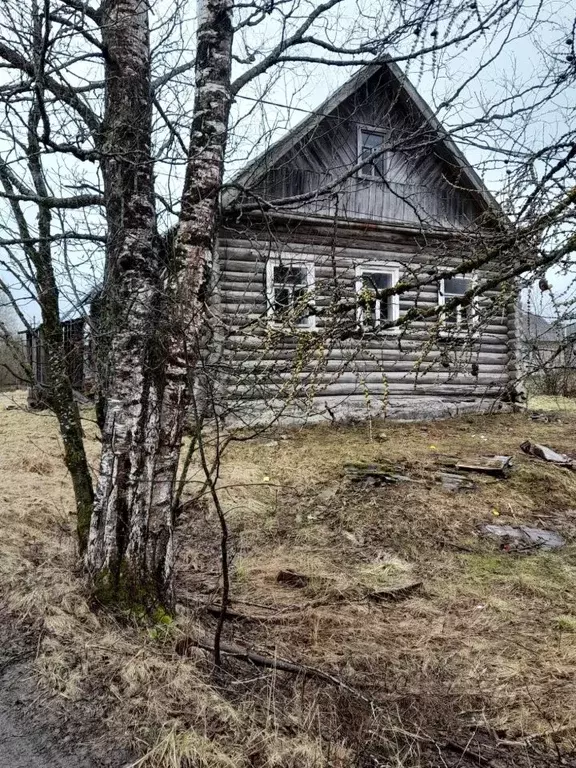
x=156, y=341
x=197, y=230
x=126, y=548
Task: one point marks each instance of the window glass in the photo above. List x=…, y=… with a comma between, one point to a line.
x=288, y=292
x=370, y=141
x=373, y=310
x=457, y=286
x=458, y=317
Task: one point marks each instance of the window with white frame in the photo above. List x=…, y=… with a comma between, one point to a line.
x=373, y=309
x=369, y=142
x=290, y=291
x=460, y=317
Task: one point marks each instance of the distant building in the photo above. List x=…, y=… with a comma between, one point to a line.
x=546, y=344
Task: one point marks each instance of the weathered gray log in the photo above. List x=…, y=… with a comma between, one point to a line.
x=545, y=453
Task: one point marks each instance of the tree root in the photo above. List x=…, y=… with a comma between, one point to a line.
x=270, y=662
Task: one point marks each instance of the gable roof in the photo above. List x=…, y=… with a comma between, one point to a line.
x=449, y=151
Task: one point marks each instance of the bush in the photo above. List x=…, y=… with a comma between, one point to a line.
x=553, y=381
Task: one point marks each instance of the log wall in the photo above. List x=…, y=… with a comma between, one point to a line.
x=327, y=373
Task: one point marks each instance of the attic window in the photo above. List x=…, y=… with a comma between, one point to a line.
x=289, y=292
x=371, y=281
x=369, y=142
x=460, y=318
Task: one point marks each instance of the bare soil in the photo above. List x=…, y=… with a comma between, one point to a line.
x=38, y=730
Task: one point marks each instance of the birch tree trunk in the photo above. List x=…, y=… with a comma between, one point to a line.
x=192, y=261
x=128, y=556
x=155, y=342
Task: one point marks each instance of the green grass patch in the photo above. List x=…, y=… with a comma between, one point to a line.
x=566, y=623
x=552, y=403
x=543, y=575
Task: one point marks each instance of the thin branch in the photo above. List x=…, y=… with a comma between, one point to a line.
x=61, y=91
x=81, y=201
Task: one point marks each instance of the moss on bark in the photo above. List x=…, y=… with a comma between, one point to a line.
x=126, y=590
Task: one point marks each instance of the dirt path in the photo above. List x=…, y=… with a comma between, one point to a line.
x=27, y=739
x=22, y=746
x=36, y=733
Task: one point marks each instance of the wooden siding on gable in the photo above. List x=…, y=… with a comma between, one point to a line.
x=418, y=186
x=438, y=205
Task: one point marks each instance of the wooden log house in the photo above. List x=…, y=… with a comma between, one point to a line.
x=366, y=192
x=307, y=217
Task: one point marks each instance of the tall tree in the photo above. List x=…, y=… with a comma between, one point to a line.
x=129, y=547
x=131, y=541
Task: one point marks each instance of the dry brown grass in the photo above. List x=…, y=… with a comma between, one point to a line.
x=488, y=646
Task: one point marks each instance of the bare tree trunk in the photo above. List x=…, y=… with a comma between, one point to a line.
x=191, y=265
x=130, y=547
x=61, y=401
x=156, y=344
x=58, y=392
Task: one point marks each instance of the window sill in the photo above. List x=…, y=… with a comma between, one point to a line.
x=394, y=331
x=275, y=325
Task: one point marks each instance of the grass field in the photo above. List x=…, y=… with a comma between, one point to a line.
x=478, y=664
x=552, y=403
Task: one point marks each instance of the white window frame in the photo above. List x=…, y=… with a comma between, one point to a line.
x=457, y=328
x=305, y=261
x=379, y=267
x=368, y=171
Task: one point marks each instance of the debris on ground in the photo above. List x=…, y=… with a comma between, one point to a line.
x=522, y=538
x=545, y=418
x=396, y=593
x=453, y=482
x=355, y=539
x=546, y=454
x=499, y=466
x=336, y=592
x=293, y=579
x=375, y=474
